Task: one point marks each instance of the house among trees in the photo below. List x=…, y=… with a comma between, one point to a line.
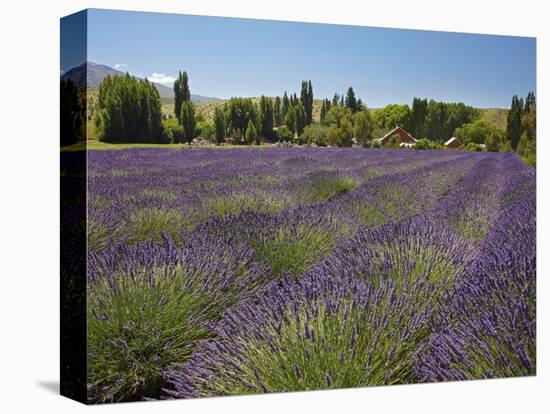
x=453, y=143
x=405, y=139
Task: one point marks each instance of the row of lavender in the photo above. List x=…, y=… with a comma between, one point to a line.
x=136, y=195
x=342, y=285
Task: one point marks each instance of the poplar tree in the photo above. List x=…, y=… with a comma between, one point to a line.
x=419, y=112
x=301, y=119
x=285, y=106
x=306, y=98
x=181, y=92
x=290, y=119
x=323, y=110
x=310, y=103
x=219, y=125
x=529, y=102
x=187, y=120
x=251, y=134
x=266, y=117
x=363, y=127
x=351, y=100
x=513, y=122
x=277, y=116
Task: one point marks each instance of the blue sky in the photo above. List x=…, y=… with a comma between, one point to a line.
x=240, y=57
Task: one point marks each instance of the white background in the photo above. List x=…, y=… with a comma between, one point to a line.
x=29, y=198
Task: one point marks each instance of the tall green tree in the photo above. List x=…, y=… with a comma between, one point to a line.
x=301, y=119
x=360, y=105
x=419, y=112
x=342, y=135
x=129, y=110
x=335, y=114
x=290, y=119
x=393, y=115
x=513, y=122
x=329, y=104
x=181, y=92
x=188, y=121
x=219, y=125
x=239, y=111
x=527, y=145
x=306, y=99
x=529, y=102
x=323, y=110
x=481, y=132
x=309, y=112
x=529, y=117
x=339, y=121
x=251, y=134
x=285, y=106
x=444, y=118
x=363, y=127
x=435, y=120
x=351, y=100
x=315, y=134
x=277, y=115
x=266, y=117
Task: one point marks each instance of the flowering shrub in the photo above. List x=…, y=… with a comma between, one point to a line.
x=149, y=304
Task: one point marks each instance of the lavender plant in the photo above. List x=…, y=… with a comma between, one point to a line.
x=289, y=242
x=148, y=305
x=489, y=329
x=316, y=332
x=324, y=186
x=402, y=252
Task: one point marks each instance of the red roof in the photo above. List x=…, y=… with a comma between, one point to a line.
x=404, y=136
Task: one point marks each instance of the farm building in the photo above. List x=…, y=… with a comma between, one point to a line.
x=406, y=139
x=453, y=143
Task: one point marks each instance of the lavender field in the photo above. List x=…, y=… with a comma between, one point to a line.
x=236, y=271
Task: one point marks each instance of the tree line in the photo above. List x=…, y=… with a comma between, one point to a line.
x=432, y=123
x=433, y=120
x=129, y=110
x=290, y=119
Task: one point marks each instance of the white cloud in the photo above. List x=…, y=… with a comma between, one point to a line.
x=120, y=65
x=161, y=78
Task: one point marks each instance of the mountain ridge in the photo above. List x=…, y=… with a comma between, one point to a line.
x=91, y=74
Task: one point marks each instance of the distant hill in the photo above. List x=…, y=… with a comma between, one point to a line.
x=495, y=116
x=92, y=74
